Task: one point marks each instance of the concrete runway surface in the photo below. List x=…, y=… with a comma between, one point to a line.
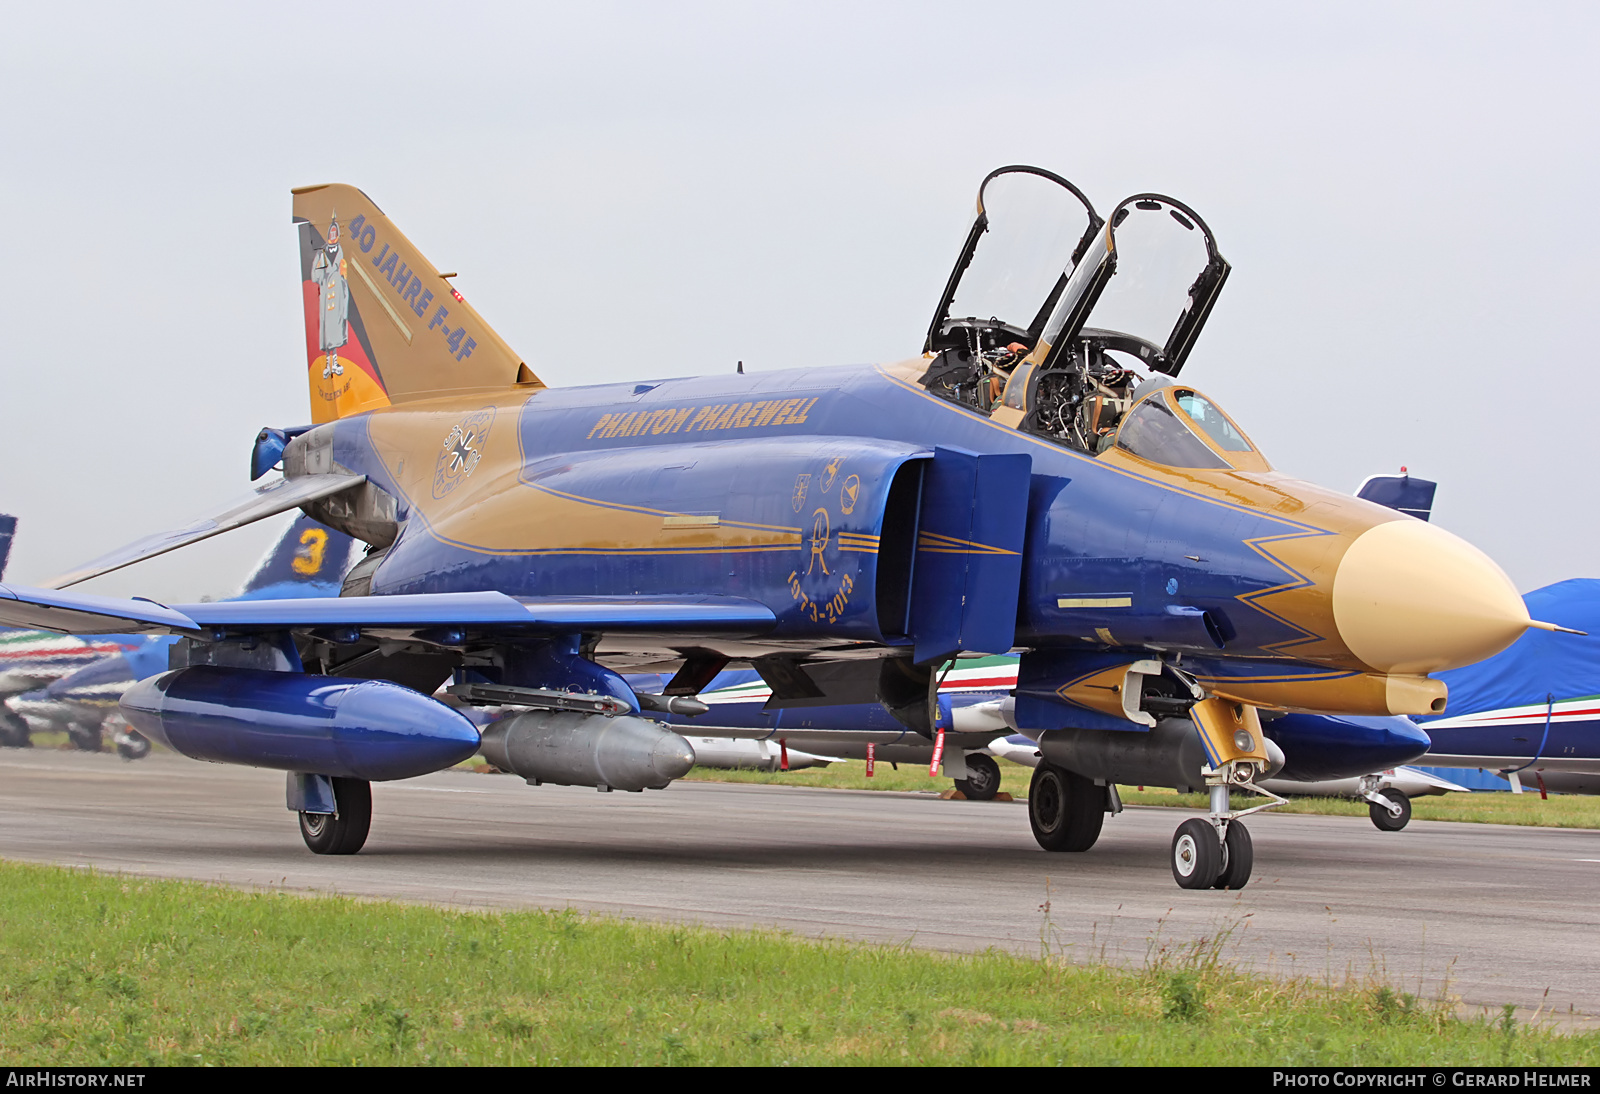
x=1496, y=913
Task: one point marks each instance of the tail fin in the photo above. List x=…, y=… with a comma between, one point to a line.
x=1411, y=496
x=309, y=560
x=8, y=528
x=382, y=324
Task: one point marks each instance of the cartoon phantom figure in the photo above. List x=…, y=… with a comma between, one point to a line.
x=327, y=270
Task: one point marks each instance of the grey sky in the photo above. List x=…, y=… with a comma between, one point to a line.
x=637, y=190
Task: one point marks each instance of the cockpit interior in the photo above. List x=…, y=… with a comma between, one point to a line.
x=1012, y=336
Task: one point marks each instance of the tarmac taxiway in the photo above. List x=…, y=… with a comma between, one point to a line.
x=1489, y=913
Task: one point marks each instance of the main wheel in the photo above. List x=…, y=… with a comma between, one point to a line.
x=1238, y=858
x=1382, y=819
x=13, y=730
x=1196, y=854
x=85, y=738
x=1065, y=809
x=344, y=832
x=983, y=778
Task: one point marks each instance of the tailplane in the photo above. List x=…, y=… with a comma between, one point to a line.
x=383, y=325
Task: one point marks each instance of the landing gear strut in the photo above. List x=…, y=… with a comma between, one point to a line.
x=342, y=832
x=1065, y=809
x=1216, y=852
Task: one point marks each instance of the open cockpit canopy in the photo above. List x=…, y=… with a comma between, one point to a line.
x=1051, y=310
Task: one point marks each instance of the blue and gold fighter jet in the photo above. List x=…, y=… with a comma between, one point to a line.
x=1038, y=478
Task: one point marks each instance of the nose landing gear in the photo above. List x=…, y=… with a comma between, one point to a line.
x=1216, y=852
x=1389, y=809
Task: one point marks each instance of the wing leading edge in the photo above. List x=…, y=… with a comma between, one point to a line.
x=276, y=497
x=82, y=613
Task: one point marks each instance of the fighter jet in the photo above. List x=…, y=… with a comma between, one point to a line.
x=1038, y=477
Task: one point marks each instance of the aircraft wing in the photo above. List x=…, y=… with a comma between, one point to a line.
x=81, y=613
x=276, y=497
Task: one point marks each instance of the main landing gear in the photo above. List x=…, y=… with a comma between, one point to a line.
x=1067, y=810
x=345, y=830
x=1216, y=852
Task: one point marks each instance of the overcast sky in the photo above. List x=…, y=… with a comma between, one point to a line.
x=645, y=190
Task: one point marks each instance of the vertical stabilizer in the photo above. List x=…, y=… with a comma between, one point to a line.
x=309, y=559
x=8, y=528
x=382, y=324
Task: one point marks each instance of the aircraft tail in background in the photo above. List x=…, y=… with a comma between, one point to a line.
x=8, y=529
x=1411, y=496
x=383, y=325
x=310, y=559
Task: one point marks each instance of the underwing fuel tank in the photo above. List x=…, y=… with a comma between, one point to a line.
x=326, y=725
x=1171, y=754
x=571, y=749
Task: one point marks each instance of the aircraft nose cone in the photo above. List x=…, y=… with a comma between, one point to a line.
x=1412, y=598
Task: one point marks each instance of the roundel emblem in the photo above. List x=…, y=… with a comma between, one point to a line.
x=461, y=451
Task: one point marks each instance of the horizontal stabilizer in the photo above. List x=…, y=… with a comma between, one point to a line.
x=81, y=613
x=84, y=613
x=274, y=498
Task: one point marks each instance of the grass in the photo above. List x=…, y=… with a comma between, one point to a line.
x=107, y=970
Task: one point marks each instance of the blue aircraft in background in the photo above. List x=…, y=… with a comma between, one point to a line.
x=31, y=659
x=1532, y=709
x=87, y=678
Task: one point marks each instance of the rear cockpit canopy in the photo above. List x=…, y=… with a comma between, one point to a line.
x=1011, y=336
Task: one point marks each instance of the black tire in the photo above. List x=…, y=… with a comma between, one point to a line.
x=344, y=832
x=983, y=779
x=132, y=745
x=1381, y=818
x=1238, y=858
x=1065, y=809
x=14, y=732
x=85, y=738
x=1196, y=854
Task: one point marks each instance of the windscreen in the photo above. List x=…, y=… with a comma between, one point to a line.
x=1034, y=225
x=1152, y=431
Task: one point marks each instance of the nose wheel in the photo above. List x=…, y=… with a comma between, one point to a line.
x=1392, y=813
x=983, y=779
x=1216, y=852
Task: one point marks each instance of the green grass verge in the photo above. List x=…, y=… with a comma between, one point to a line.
x=108, y=970
x=1559, y=811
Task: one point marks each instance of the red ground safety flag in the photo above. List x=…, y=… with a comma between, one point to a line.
x=783, y=754
x=938, y=754
x=872, y=759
